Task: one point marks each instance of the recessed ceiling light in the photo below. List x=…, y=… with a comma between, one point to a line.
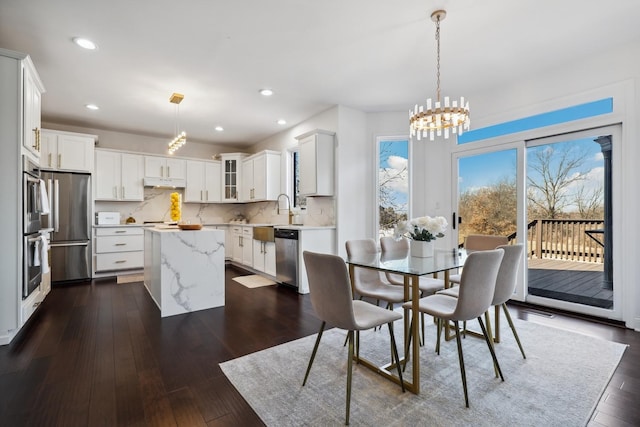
x=266, y=92
x=85, y=43
x=219, y=128
x=282, y=122
x=92, y=107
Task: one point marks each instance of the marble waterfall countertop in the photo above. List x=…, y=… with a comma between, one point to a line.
x=184, y=269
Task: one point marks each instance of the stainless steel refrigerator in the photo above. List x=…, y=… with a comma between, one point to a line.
x=70, y=199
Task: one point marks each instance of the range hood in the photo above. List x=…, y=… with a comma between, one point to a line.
x=164, y=182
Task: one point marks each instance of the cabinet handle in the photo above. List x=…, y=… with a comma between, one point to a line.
x=49, y=160
x=207, y=193
x=201, y=195
x=120, y=244
x=59, y=160
x=36, y=139
x=121, y=261
x=161, y=171
x=123, y=191
x=240, y=241
x=120, y=231
x=168, y=171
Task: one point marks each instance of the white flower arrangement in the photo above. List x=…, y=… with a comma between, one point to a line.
x=424, y=228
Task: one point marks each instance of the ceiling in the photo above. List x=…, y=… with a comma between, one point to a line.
x=371, y=55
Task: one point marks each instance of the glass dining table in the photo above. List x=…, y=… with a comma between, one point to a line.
x=411, y=268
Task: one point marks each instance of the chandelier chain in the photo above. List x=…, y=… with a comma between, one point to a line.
x=438, y=58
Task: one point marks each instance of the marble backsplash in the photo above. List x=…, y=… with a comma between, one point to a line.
x=155, y=207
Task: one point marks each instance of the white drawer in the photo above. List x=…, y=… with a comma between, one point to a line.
x=105, y=244
x=119, y=261
x=120, y=231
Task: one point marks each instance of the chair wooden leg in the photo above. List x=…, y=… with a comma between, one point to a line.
x=313, y=353
x=490, y=345
x=513, y=328
x=395, y=354
x=349, y=375
x=463, y=374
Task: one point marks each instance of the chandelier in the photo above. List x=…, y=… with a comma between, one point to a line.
x=181, y=138
x=438, y=118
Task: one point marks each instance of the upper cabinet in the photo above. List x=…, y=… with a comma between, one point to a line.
x=203, y=182
x=231, y=165
x=261, y=176
x=118, y=176
x=164, y=171
x=32, y=103
x=316, y=150
x=67, y=151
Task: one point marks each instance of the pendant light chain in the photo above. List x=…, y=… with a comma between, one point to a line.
x=438, y=59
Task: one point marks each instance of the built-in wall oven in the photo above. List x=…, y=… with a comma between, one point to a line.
x=32, y=239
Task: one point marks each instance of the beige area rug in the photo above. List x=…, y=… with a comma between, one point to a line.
x=254, y=281
x=559, y=384
x=130, y=278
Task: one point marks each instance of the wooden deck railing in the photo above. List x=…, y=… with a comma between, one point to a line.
x=565, y=239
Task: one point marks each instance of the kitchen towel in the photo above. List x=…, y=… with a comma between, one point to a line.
x=44, y=198
x=44, y=258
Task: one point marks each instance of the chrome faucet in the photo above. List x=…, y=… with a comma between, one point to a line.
x=288, y=206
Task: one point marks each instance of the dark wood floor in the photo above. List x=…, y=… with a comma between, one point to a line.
x=100, y=355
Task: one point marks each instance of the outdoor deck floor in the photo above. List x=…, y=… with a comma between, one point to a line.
x=572, y=281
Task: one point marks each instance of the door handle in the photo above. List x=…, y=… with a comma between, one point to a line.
x=56, y=225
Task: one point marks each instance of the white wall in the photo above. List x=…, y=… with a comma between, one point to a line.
x=355, y=156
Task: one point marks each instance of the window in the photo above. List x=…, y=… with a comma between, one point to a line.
x=393, y=183
x=298, y=200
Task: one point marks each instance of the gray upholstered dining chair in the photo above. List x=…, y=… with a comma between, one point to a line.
x=427, y=285
x=505, y=285
x=479, y=242
x=332, y=300
x=477, y=287
x=367, y=282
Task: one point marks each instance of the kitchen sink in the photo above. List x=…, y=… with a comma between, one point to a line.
x=263, y=233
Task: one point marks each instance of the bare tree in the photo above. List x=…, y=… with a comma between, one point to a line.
x=558, y=168
x=590, y=202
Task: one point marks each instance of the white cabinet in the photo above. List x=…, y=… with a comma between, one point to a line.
x=16, y=143
x=242, y=251
x=119, y=248
x=67, y=151
x=164, y=167
x=231, y=176
x=118, y=176
x=203, y=181
x=316, y=163
x=261, y=176
x=32, y=103
x=264, y=257
x=164, y=171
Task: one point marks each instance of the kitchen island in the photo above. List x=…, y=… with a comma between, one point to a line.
x=184, y=269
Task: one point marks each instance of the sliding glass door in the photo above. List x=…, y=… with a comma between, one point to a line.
x=553, y=195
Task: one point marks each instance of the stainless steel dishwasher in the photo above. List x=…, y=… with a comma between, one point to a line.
x=286, y=256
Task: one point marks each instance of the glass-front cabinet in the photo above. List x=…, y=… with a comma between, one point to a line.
x=231, y=176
